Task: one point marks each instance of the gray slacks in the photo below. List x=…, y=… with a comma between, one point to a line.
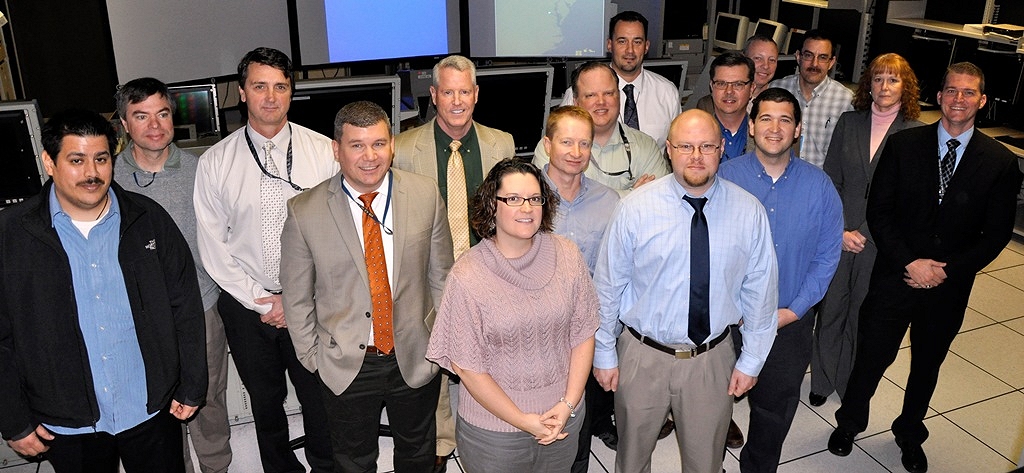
x=486, y=451
x=652, y=384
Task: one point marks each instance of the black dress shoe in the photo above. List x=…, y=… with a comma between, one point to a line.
x=440, y=465
x=816, y=400
x=666, y=429
x=734, y=439
x=914, y=459
x=840, y=443
x=610, y=439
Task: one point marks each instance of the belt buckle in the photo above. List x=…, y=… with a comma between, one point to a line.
x=685, y=354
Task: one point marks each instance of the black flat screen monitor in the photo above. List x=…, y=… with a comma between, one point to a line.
x=316, y=102
x=515, y=100
x=195, y=106
x=20, y=151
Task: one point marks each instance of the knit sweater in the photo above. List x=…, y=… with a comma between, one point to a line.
x=517, y=320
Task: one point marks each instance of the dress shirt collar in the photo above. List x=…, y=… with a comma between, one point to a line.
x=584, y=184
x=821, y=88
x=679, y=191
x=56, y=210
x=383, y=190
x=638, y=84
x=281, y=139
x=963, y=138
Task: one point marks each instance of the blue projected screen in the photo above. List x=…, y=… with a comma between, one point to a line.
x=381, y=29
x=339, y=31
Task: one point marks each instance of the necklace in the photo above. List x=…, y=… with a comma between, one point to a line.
x=102, y=209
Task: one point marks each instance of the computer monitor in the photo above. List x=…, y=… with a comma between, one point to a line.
x=315, y=103
x=196, y=111
x=672, y=69
x=772, y=29
x=515, y=100
x=794, y=41
x=21, y=149
x=731, y=31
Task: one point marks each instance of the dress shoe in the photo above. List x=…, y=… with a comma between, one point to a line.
x=734, y=439
x=440, y=465
x=666, y=429
x=610, y=439
x=914, y=459
x=840, y=443
x=816, y=400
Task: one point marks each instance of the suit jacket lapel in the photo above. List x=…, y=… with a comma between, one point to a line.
x=970, y=161
x=400, y=204
x=425, y=161
x=862, y=138
x=341, y=213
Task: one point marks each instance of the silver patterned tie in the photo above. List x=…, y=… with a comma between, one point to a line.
x=271, y=214
x=946, y=167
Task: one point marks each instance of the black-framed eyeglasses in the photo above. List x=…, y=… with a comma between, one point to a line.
x=706, y=149
x=723, y=85
x=152, y=177
x=517, y=201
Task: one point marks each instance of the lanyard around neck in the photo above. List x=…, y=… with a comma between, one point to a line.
x=367, y=211
x=288, y=165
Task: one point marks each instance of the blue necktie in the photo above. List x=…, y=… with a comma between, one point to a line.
x=700, y=273
x=629, y=116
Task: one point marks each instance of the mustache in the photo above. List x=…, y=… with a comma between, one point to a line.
x=92, y=181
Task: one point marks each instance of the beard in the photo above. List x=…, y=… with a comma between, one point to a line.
x=696, y=180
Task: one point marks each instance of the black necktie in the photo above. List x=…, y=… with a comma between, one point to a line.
x=946, y=166
x=630, y=117
x=700, y=273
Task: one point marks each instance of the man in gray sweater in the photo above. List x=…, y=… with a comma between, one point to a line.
x=152, y=165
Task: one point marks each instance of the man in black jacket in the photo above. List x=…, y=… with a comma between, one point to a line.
x=102, y=337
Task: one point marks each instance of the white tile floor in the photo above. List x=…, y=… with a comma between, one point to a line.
x=976, y=418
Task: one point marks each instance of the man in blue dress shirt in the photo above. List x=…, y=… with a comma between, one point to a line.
x=645, y=351
x=584, y=210
x=102, y=339
x=806, y=218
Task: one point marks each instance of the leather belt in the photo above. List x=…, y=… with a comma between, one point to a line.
x=376, y=351
x=679, y=353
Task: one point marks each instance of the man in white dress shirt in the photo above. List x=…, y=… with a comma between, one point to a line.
x=241, y=188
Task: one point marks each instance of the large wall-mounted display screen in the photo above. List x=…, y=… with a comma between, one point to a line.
x=332, y=31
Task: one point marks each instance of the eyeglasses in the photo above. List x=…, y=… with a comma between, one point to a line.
x=722, y=85
x=516, y=201
x=706, y=149
x=808, y=56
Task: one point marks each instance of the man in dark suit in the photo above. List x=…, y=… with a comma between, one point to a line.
x=364, y=256
x=941, y=207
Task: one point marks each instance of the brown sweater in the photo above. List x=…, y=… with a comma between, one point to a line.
x=516, y=320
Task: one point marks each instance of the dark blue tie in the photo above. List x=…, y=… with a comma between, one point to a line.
x=700, y=273
x=629, y=115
